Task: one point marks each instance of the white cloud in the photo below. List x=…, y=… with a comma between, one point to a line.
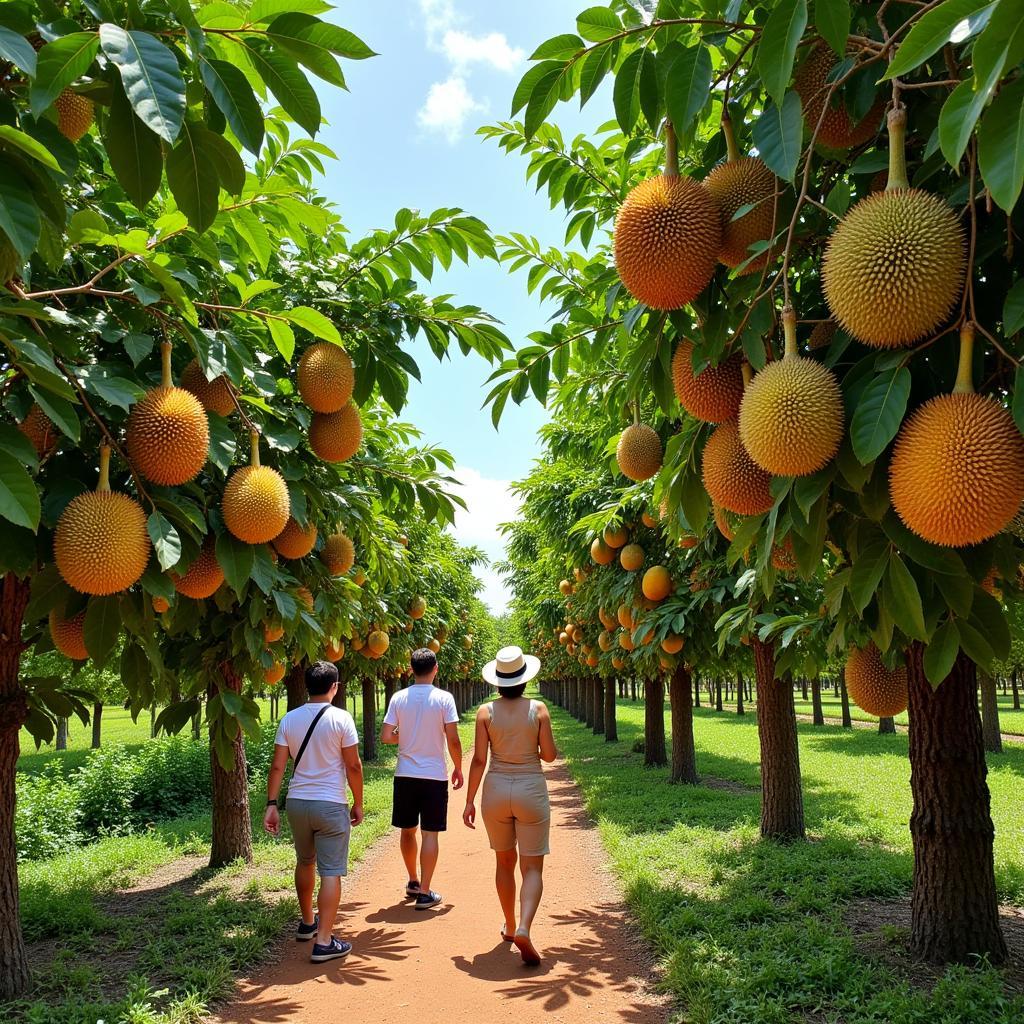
x=463, y=49
x=438, y=17
x=447, y=106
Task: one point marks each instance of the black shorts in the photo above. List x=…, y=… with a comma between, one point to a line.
x=422, y=802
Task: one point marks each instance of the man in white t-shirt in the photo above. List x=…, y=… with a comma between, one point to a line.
x=324, y=746
x=422, y=720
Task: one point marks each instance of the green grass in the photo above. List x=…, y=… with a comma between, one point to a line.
x=163, y=959
x=753, y=931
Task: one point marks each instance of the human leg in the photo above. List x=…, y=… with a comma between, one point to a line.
x=304, y=840
x=429, y=850
x=409, y=846
x=327, y=907
x=532, y=869
x=333, y=831
x=505, y=883
x=305, y=883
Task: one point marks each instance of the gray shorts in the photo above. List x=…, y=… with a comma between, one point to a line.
x=321, y=831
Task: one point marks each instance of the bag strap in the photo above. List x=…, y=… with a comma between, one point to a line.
x=309, y=732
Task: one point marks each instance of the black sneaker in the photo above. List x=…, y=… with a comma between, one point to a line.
x=412, y=890
x=305, y=932
x=334, y=950
x=428, y=899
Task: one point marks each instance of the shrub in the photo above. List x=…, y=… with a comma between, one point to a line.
x=172, y=777
x=46, y=815
x=106, y=786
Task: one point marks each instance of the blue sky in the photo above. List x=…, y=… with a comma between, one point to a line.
x=404, y=135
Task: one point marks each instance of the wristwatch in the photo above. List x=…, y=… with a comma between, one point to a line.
x=271, y=803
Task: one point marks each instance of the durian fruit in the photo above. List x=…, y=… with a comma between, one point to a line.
x=957, y=471
x=434, y=644
x=615, y=536
x=295, y=541
x=75, y=114
x=607, y=619
x=334, y=650
x=10, y=260
x=325, y=377
x=203, y=576
x=68, y=635
x=837, y=130
x=160, y=604
x=666, y=662
x=625, y=616
x=731, y=477
x=305, y=595
x=783, y=556
x=626, y=641
x=563, y=638
x=417, y=608
x=894, y=267
x=358, y=643
x=873, y=687
x=273, y=675
x=648, y=520
x=592, y=661
x=168, y=435
x=255, y=505
x=743, y=181
x=618, y=663
x=600, y=552
x=565, y=588
x=714, y=394
x=725, y=522
x=39, y=429
x=605, y=640
x=631, y=557
x=336, y=436
x=100, y=544
x=672, y=644
x=688, y=540
x=359, y=578
x=338, y=554
x=657, y=583
x=378, y=642
x=639, y=453
x=214, y=395
x=791, y=416
x=822, y=334
x=272, y=632
x=668, y=234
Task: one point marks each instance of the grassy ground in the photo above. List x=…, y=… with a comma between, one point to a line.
x=756, y=932
x=161, y=952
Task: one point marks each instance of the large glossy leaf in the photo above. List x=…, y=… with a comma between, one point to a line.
x=776, y=50
x=687, y=86
x=133, y=150
x=17, y=50
x=13, y=138
x=19, y=215
x=192, y=177
x=879, y=413
x=904, y=599
x=313, y=321
x=234, y=97
x=151, y=78
x=941, y=652
x=288, y=84
x=236, y=559
x=166, y=542
x=778, y=134
x=932, y=31
x=832, y=20
x=598, y=23
x=1001, y=145
x=102, y=627
x=19, y=499
x=58, y=64
x=1013, y=309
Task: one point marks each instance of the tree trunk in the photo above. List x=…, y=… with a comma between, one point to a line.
x=684, y=756
x=389, y=692
x=14, y=972
x=197, y=721
x=342, y=695
x=817, y=713
x=803, y=686
x=588, y=702
x=886, y=726
x=599, y=688
x=62, y=734
x=954, y=909
x=695, y=679
x=232, y=820
x=739, y=694
x=97, y=724
x=782, y=804
x=844, y=699
x=1016, y=691
x=654, y=722
x=152, y=722
x=295, y=687
x=369, y=720
x=990, y=713
x=718, y=694
x=611, y=729
x=632, y=689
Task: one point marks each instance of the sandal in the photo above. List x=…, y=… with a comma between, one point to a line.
x=531, y=958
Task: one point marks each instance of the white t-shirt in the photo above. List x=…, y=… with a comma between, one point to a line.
x=321, y=774
x=421, y=712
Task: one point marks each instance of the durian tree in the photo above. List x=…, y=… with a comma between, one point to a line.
x=795, y=253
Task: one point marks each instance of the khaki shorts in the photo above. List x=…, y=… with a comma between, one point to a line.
x=516, y=811
x=320, y=831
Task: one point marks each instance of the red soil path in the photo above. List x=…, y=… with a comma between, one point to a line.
x=449, y=965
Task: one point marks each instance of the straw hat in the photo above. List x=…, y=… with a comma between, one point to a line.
x=511, y=667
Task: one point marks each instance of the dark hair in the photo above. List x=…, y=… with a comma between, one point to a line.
x=512, y=691
x=320, y=677
x=423, y=661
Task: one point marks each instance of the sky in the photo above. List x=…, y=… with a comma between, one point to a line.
x=405, y=137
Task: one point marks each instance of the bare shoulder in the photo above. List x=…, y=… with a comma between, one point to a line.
x=542, y=709
x=483, y=713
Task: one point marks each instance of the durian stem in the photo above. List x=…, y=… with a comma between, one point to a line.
x=897, y=121
x=747, y=372
x=165, y=364
x=789, y=331
x=254, y=448
x=104, y=482
x=730, y=138
x=671, y=151
x=636, y=413
x=965, y=371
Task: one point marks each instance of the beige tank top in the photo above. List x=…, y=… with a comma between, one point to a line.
x=514, y=732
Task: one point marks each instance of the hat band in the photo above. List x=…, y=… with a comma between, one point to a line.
x=510, y=675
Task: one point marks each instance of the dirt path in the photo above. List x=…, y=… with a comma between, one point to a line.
x=448, y=966
x=1008, y=737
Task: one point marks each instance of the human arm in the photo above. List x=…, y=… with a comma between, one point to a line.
x=354, y=774
x=272, y=817
x=451, y=735
x=389, y=730
x=476, y=766
x=546, y=738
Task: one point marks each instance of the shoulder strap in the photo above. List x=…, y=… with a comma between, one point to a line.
x=305, y=740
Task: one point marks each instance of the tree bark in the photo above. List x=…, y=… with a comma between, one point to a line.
x=696, y=689
x=588, y=702
x=599, y=687
x=886, y=726
x=632, y=689
x=844, y=699
x=990, y=713
x=782, y=804
x=803, y=686
x=611, y=729
x=718, y=694
x=817, y=714
x=954, y=908
x=197, y=721
x=739, y=694
x=295, y=687
x=14, y=972
x=654, y=723
x=1016, y=691
x=684, y=755
x=342, y=695
x=369, y=720
x=97, y=724
x=232, y=819
x=62, y=734
x=389, y=692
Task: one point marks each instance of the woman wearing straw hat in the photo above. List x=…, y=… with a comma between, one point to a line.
x=515, y=809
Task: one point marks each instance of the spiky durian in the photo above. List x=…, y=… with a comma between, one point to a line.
x=731, y=477
x=338, y=554
x=39, y=429
x=639, y=452
x=838, y=130
x=791, y=416
x=378, y=642
x=100, y=544
x=214, y=395
x=295, y=541
x=255, y=505
x=822, y=334
x=68, y=635
x=336, y=436
x=325, y=377
x=877, y=689
x=726, y=522
x=75, y=114
x=168, y=435
x=714, y=394
x=203, y=576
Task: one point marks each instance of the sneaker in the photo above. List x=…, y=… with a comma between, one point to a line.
x=412, y=890
x=334, y=950
x=429, y=899
x=305, y=932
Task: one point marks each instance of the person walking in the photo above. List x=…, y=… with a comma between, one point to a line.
x=422, y=720
x=516, y=731
x=324, y=747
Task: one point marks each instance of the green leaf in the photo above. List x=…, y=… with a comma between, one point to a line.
x=151, y=78
x=267, y=10
x=777, y=49
x=988, y=617
x=20, y=140
x=626, y=93
x=832, y=20
x=135, y=669
x=166, y=542
x=1001, y=145
x=323, y=35
x=941, y=652
x=17, y=50
x=1001, y=45
x=133, y=150
x=558, y=48
x=296, y=34
x=192, y=178
x=48, y=591
x=530, y=82
x=778, y=133
x=58, y=64
x=930, y=34
x=959, y=115
x=879, y=413
x=102, y=627
x=236, y=559
x=687, y=86
x=975, y=645
x=19, y=499
x=19, y=215
x=284, y=338
x=288, y=84
x=226, y=161
x=868, y=569
x=60, y=411
x=543, y=97
x=314, y=321
x=1013, y=309
x=234, y=97
x=15, y=443
x=596, y=24
x=905, y=600
x=1018, y=398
